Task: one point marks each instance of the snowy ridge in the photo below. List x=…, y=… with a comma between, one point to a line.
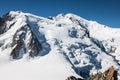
x=58, y=47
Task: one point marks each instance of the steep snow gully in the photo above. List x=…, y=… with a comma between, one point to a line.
x=33, y=47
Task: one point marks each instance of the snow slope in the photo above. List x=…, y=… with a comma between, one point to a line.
x=34, y=48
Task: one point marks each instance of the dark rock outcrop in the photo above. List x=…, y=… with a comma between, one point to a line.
x=2, y=28
x=21, y=47
x=34, y=46
x=3, y=21
x=18, y=42
x=110, y=74
x=0, y=20
x=73, y=78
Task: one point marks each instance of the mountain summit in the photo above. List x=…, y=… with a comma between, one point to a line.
x=53, y=48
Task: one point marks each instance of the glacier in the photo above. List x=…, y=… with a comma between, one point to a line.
x=34, y=47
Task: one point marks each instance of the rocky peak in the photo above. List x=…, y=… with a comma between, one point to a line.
x=7, y=20
x=23, y=36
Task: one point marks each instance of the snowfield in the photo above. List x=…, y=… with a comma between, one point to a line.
x=37, y=48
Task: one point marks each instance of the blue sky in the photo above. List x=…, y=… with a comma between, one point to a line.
x=106, y=12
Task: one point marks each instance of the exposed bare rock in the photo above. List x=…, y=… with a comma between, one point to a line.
x=20, y=47
x=18, y=43
x=7, y=17
x=110, y=74
x=34, y=46
x=3, y=21
x=1, y=26
x=113, y=49
x=0, y=20
x=73, y=78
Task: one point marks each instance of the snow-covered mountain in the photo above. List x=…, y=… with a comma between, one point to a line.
x=34, y=48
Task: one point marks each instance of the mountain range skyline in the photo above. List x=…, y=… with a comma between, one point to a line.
x=102, y=11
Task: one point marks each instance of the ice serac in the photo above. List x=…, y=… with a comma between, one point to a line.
x=69, y=44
